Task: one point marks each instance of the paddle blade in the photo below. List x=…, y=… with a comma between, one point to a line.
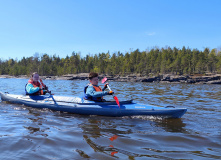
x=104, y=80
x=117, y=101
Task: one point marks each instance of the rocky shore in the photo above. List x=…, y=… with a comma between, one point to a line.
x=167, y=78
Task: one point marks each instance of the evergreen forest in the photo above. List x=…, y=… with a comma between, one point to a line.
x=153, y=62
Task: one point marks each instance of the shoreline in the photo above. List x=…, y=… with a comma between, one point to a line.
x=166, y=78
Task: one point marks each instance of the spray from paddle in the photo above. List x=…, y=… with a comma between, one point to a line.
x=115, y=97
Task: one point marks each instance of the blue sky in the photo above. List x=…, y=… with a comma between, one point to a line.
x=94, y=26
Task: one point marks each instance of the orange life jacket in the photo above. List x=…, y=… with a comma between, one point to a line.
x=98, y=89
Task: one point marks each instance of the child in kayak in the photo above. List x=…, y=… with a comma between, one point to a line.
x=34, y=87
x=93, y=91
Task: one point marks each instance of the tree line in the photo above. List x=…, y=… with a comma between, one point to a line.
x=155, y=61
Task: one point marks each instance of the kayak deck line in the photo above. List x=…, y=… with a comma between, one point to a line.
x=76, y=100
x=79, y=105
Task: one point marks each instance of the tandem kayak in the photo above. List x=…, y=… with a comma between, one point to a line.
x=79, y=105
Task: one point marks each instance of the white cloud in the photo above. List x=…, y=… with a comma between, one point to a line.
x=150, y=33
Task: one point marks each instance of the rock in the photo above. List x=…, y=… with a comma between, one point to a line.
x=214, y=82
x=190, y=81
x=166, y=77
x=149, y=79
x=177, y=78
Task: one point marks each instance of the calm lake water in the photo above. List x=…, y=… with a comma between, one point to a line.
x=28, y=133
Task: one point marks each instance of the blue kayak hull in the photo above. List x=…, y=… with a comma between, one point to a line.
x=80, y=106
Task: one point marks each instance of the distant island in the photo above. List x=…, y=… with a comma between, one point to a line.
x=156, y=65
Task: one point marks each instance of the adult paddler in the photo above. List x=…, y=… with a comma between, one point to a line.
x=34, y=87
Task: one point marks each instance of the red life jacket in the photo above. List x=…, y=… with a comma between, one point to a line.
x=36, y=84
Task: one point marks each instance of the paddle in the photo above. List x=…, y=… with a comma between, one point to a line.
x=48, y=91
x=115, y=97
x=45, y=86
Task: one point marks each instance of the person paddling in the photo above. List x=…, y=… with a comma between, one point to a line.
x=34, y=87
x=93, y=91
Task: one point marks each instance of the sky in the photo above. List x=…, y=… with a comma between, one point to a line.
x=59, y=27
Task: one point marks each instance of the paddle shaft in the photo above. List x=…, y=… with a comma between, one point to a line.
x=45, y=86
x=109, y=87
x=116, y=99
x=110, y=90
x=48, y=92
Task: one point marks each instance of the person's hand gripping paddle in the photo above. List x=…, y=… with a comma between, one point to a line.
x=48, y=91
x=45, y=87
x=115, y=97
